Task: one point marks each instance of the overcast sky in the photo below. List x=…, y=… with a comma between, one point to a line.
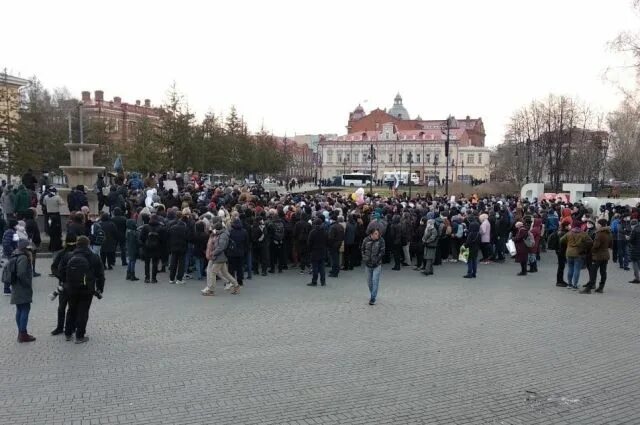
x=302, y=66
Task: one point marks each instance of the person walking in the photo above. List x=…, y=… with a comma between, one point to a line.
x=430, y=242
x=317, y=244
x=372, y=250
x=237, y=250
x=218, y=244
x=18, y=273
x=599, y=257
x=132, y=241
x=578, y=244
x=84, y=278
x=472, y=243
x=63, y=297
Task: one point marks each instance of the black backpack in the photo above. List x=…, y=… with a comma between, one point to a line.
x=153, y=240
x=97, y=234
x=79, y=274
x=278, y=231
x=230, y=250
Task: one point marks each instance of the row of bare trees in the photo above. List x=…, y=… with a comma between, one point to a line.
x=555, y=140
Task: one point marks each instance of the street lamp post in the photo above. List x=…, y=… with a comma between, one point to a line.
x=400, y=158
x=436, y=180
x=462, y=165
x=372, y=155
x=410, y=160
x=344, y=166
x=450, y=124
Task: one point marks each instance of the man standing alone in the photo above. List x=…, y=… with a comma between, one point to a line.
x=372, y=253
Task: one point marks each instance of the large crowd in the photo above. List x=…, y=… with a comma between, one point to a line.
x=186, y=228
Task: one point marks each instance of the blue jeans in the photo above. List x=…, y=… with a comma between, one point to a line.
x=187, y=258
x=623, y=254
x=131, y=266
x=199, y=267
x=472, y=266
x=574, y=264
x=22, y=316
x=373, y=280
x=318, y=268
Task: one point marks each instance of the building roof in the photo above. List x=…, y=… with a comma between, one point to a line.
x=12, y=80
x=398, y=110
x=403, y=135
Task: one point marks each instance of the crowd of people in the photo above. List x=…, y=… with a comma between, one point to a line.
x=189, y=228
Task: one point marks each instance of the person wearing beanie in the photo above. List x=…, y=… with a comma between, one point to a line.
x=21, y=280
x=63, y=297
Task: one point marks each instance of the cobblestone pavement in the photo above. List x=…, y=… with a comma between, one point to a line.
x=442, y=350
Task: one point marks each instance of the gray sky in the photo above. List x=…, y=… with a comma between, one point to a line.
x=302, y=66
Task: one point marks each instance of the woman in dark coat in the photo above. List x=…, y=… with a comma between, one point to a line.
x=22, y=288
x=200, y=239
x=522, y=251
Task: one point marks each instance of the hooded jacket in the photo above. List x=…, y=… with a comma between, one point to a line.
x=578, y=243
x=22, y=289
x=601, y=244
x=132, y=239
x=219, y=245
x=372, y=251
x=239, y=236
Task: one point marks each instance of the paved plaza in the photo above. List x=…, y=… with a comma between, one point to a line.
x=441, y=350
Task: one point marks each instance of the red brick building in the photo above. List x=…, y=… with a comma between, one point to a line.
x=470, y=131
x=121, y=119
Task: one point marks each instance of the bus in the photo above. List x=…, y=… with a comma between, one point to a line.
x=356, y=179
x=391, y=176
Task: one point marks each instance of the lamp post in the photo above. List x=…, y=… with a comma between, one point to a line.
x=344, y=166
x=450, y=123
x=372, y=156
x=410, y=161
x=400, y=158
x=462, y=165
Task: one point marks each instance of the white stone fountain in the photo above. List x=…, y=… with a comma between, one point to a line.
x=82, y=171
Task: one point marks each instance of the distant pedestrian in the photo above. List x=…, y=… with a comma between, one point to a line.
x=132, y=241
x=317, y=244
x=372, y=250
x=578, y=244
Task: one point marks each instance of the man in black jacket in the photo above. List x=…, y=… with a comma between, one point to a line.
x=81, y=285
x=317, y=244
x=63, y=297
x=178, y=240
x=261, y=244
x=153, y=239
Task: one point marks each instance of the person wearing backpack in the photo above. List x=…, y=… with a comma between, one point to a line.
x=84, y=278
x=275, y=228
x=96, y=235
x=63, y=297
x=152, y=239
x=19, y=274
x=237, y=250
x=132, y=248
